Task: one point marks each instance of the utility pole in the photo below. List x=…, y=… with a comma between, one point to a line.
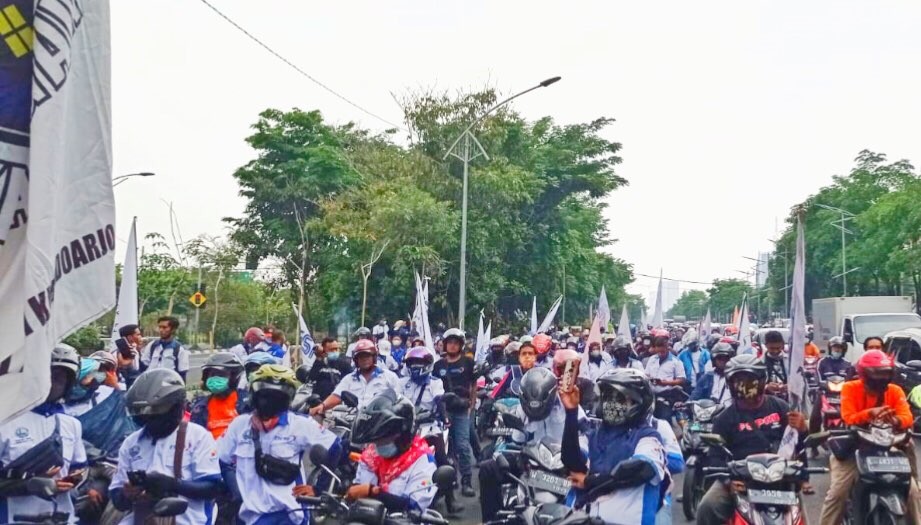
x=563, y=317
x=197, y=309
x=841, y=224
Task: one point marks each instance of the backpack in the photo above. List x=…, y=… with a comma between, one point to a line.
x=172, y=344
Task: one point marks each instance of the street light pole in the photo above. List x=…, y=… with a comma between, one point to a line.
x=841, y=225
x=465, y=156
x=122, y=178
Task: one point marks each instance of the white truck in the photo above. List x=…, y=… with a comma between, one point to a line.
x=856, y=318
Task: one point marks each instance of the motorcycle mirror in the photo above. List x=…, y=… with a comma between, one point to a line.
x=444, y=477
x=318, y=455
x=713, y=439
x=350, y=399
x=813, y=440
x=914, y=364
x=44, y=488
x=302, y=373
x=513, y=421
x=167, y=507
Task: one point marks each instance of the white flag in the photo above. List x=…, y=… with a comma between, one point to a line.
x=534, y=316
x=57, y=239
x=644, y=325
x=481, y=343
x=604, y=311
x=594, y=336
x=487, y=337
x=421, y=315
x=796, y=384
x=706, y=327
x=551, y=315
x=623, y=329
x=745, y=334
x=126, y=310
x=307, y=343
x=658, y=319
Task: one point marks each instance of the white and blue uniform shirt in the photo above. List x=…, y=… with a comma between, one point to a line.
x=414, y=483
x=635, y=364
x=670, y=369
x=366, y=390
x=156, y=355
x=674, y=461
x=550, y=427
x=27, y=430
x=635, y=505
x=431, y=391
x=199, y=462
x=293, y=435
x=595, y=370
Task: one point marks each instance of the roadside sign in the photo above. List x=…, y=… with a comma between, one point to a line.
x=198, y=299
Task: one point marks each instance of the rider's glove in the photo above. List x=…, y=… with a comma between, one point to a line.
x=160, y=484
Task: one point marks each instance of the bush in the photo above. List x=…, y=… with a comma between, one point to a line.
x=86, y=340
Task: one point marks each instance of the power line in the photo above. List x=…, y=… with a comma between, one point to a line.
x=670, y=279
x=296, y=68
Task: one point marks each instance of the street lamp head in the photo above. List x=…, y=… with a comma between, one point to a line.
x=146, y=174
x=549, y=81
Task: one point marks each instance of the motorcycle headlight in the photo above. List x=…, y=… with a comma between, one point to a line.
x=704, y=414
x=548, y=460
x=766, y=474
x=883, y=436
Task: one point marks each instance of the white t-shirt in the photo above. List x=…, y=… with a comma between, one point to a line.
x=293, y=435
x=415, y=482
x=154, y=355
x=199, y=461
x=20, y=434
x=381, y=380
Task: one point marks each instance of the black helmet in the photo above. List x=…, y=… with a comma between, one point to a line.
x=64, y=356
x=625, y=396
x=155, y=392
x=223, y=361
x=743, y=367
x=836, y=341
x=363, y=332
x=621, y=342
x=387, y=416
x=538, y=390
x=722, y=349
x=712, y=341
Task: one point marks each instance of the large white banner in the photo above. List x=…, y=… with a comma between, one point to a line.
x=56, y=209
x=126, y=309
x=604, y=311
x=796, y=383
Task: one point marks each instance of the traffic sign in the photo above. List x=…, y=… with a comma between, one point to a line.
x=198, y=299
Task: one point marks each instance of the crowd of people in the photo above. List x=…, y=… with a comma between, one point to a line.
x=235, y=452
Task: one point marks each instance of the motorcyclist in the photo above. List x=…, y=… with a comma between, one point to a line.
x=543, y=414
x=253, y=341
x=834, y=364
x=147, y=469
x=359, y=335
x=626, y=477
x=664, y=372
x=598, y=362
x=510, y=385
x=754, y=423
x=622, y=353
x=542, y=344
x=397, y=465
x=693, y=357
x=367, y=381
x=775, y=364
x=397, y=349
x=872, y=398
x=43, y=442
x=712, y=385
x=261, y=453
x=495, y=363
x=385, y=359
x=456, y=371
x=328, y=367
x=222, y=402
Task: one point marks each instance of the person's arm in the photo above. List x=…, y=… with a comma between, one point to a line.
x=851, y=414
x=897, y=401
x=571, y=453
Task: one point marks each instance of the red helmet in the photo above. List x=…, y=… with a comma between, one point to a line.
x=660, y=332
x=542, y=343
x=873, y=360
x=364, y=346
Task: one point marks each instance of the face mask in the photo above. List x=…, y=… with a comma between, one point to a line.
x=332, y=355
x=270, y=405
x=595, y=355
x=616, y=411
x=646, y=342
x=877, y=385
x=387, y=450
x=621, y=356
x=836, y=354
x=161, y=425
x=217, y=385
x=748, y=389
x=418, y=373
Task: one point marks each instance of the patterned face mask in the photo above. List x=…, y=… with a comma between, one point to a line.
x=746, y=388
x=617, y=409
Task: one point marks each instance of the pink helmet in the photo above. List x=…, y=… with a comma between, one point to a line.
x=542, y=343
x=364, y=346
x=254, y=335
x=873, y=359
x=419, y=352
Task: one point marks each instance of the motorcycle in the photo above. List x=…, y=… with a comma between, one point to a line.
x=99, y=475
x=880, y=494
x=811, y=375
x=831, y=402
x=765, y=486
x=529, y=512
x=495, y=435
x=369, y=511
x=700, y=421
x=338, y=422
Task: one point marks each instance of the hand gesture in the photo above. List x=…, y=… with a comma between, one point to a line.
x=571, y=399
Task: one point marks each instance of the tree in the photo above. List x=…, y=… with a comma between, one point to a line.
x=725, y=295
x=692, y=304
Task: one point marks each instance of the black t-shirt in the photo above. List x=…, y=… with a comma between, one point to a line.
x=457, y=376
x=326, y=375
x=753, y=432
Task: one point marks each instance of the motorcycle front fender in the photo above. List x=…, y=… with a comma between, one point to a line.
x=691, y=461
x=890, y=500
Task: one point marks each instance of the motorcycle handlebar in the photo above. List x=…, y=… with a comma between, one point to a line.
x=816, y=470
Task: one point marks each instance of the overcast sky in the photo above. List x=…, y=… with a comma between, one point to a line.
x=728, y=112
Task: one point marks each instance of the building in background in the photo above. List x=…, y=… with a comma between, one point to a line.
x=761, y=269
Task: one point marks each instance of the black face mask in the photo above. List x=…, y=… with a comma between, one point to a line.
x=161, y=425
x=270, y=404
x=877, y=385
x=621, y=356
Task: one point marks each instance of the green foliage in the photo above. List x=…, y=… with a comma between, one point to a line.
x=725, y=295
x=692, y=304
x=322, y=199
x=86, y=340
x=882, y=197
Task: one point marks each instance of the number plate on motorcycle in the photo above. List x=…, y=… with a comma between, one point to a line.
x=497, y=432
x=701, y=427
x=772, y=497
x=543, y=481
x=889, y=465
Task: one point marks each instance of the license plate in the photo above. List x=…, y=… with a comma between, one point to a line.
x=834, y=401
x=701, y=427
x=772, y=497
x=543, y=481
x=893, y=465
x=499, y=432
